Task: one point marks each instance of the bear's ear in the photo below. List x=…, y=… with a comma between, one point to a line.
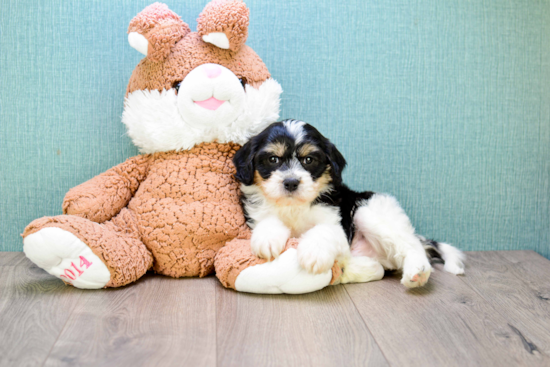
x=224, y=23
x=155, y=30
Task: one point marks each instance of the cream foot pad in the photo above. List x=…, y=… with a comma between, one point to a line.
x=65, y=256
x=282, y=275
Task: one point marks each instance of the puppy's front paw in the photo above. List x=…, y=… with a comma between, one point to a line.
x=314, y=258
x=416, y=272
x=269, y=240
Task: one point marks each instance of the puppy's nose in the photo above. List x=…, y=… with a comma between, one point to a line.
x=291, y=184
x=212, y=71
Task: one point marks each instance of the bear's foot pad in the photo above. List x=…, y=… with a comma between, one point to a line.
x=66, y=257
x=282, y=275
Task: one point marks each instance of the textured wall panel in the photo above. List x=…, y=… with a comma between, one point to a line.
x=445, y=104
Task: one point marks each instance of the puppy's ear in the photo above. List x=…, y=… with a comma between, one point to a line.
x=337, y=163
x=244, y=163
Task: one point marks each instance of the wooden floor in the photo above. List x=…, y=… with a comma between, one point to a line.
x=498, y=314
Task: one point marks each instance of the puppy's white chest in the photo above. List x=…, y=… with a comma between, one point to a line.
x=300, y=219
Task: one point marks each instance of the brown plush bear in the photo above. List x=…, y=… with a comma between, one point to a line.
x=190, y=104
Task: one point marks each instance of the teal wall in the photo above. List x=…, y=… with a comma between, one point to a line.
x=445, y=104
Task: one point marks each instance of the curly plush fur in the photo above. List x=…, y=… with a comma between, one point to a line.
x=171, y=209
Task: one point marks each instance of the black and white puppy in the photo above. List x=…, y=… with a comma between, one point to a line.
x=291, y=180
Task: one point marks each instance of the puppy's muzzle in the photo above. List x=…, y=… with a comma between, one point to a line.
x=291, y=184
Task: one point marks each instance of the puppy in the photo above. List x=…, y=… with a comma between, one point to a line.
x=291, y=181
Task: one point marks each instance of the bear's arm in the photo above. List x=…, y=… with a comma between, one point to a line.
x=102, y=197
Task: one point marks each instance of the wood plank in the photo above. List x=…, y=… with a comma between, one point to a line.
x=515, y=283
x=15, y=259
x=316, y=329
x=529, y=264
x=34, y=307
x=156, y=321
x=445, y=323
x=498, y=314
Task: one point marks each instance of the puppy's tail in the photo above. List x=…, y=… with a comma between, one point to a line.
x=451, y=256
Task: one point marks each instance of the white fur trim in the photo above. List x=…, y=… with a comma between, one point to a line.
x=155, y=124
x=218, y=39
x=60, y=253
x=138, y=42
x=283, y=275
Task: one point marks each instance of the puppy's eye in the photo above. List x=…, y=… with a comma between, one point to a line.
x=243, y=81
x=307, y=160
x=274, y=159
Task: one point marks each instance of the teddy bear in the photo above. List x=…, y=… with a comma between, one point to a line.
x=190, y=104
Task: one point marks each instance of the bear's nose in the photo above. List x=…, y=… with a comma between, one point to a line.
x=212, y=71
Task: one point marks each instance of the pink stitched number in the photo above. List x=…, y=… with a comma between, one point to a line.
x=67, y=271
x=80, y=272
x=84, y=262
x=68, y=280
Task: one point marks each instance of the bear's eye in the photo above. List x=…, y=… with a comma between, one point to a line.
x=176, y=86
x=243, y=81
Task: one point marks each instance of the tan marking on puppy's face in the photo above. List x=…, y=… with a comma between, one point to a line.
x=323, y=182
x=258, y=180
x=306, y=149
x=277, y=149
